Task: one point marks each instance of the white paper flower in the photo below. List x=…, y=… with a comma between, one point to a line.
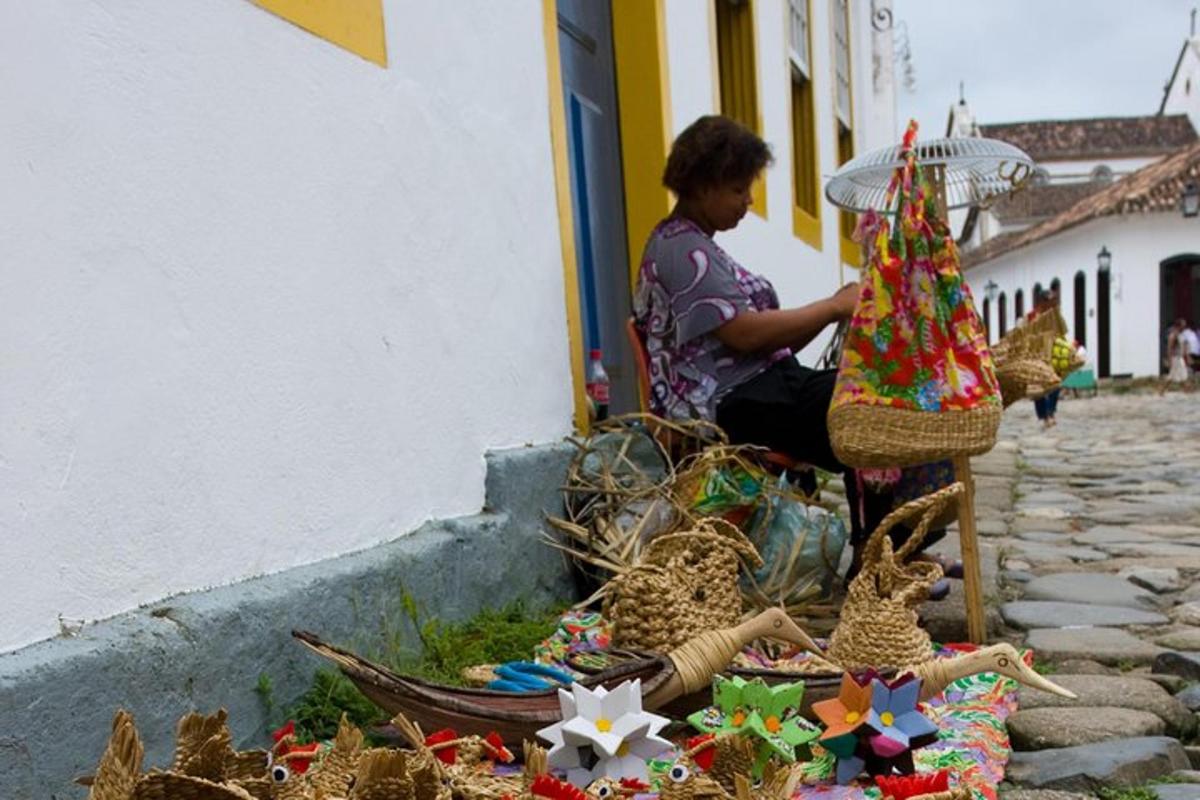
x=604, y=734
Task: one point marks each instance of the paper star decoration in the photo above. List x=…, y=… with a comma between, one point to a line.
x=604, y=734
x=769, y=714
x=874, y=725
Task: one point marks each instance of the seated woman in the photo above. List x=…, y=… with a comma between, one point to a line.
x=720, y=347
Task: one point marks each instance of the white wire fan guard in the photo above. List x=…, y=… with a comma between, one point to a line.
x=975, y=170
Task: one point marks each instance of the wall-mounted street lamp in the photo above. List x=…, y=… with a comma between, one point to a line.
x=1104, y=259
x=990, y=289
x=1189, y=199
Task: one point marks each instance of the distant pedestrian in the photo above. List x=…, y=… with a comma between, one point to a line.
x=1178, y=356
x=1191, y=342
x=1045, y=301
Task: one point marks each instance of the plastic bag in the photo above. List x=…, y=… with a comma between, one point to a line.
x=800, y=545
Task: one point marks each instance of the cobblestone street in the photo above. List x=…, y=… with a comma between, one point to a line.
x=1094, y=526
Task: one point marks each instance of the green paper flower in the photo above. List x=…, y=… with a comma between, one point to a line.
x=769, y=714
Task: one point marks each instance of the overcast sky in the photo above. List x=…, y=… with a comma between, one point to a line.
x=1038, y=59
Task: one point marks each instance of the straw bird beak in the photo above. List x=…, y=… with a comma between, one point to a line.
x=1012, y=665
x=1032, y=678
x=785, y=629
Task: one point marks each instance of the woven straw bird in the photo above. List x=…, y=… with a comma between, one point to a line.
x=201, y=747
x=687, y=779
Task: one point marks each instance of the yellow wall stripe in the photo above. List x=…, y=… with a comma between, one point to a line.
x=566, y=217
x=644, y=98
x=354, y=25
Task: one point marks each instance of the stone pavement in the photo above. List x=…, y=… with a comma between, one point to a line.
x=1095, y=527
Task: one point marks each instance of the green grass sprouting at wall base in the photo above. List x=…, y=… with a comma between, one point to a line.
x=490, y=637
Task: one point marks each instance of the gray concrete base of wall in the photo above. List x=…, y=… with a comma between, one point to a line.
x=206, y=650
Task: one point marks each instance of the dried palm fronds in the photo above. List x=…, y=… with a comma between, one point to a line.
x=625, y=487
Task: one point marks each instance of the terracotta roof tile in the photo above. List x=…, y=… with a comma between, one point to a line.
x=1039, y=202
x=1153, y=188
x=1102, y=137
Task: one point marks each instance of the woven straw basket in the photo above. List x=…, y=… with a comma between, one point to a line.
x=878, y=625
x=1023, y=363
x=684, y=584
x=881, y=436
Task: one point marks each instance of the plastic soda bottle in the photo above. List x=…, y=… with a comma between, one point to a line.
x=597, y=385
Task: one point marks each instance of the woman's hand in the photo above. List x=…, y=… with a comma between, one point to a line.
x=765, y=331
x=845, y=299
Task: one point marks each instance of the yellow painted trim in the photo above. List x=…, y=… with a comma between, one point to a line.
x=850, y=252
x=758, y=195
x=758, y=191
x=354, y=25
x=640, y=52
x=715, y=56
x=806, y=227
x=566, y=217
x=848, y=249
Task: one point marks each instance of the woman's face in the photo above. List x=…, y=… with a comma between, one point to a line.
x=724, y=205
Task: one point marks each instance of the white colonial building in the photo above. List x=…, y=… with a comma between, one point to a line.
x=278, y=274
x=1103, y=220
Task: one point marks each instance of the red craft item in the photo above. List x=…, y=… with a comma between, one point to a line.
x=902, y=787
x=500, y=752
x=554, y=789
x=704, y=756
x=446, y=755
x=284, y=746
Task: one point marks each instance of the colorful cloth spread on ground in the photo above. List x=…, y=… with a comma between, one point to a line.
x=972, y=740
x=578, y=633
x=915, y=341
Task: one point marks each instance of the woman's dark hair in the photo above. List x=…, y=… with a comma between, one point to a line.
x=714, y=151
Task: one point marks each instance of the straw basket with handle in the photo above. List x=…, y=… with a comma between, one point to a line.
x=878, y=625
x=1023, y=366
x=916, y=382
x=684, y=584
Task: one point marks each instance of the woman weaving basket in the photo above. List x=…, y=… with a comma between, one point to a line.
x=720, y=347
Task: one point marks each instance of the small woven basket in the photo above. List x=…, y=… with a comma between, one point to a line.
x=1023, y=363
x=684, y=584
x=1025, y=378
x=878, y=624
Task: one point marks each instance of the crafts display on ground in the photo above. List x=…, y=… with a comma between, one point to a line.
x=686, y=670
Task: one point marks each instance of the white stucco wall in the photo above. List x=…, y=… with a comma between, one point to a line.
x=1183, y=95
x=262, y=301
x=769, y=246
x=1081, y=169
x=1138, y=244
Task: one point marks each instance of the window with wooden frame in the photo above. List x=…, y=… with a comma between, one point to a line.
x=737, y=75
x=844, y=114
x=806, y=193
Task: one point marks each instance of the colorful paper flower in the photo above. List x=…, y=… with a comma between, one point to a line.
x=604, y=734
x=894, y=717
x=844, y=715
x=769, y=714
x=874, y=725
